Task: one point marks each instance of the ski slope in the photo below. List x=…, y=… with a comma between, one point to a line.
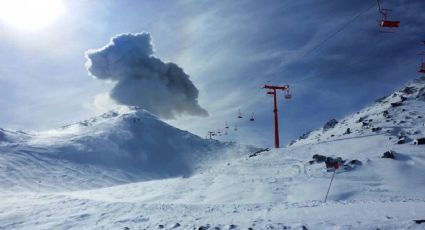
x=104, y=173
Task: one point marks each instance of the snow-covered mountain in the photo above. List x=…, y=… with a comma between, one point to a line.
x=400, y=115
x=121, y=147
x=118, y=182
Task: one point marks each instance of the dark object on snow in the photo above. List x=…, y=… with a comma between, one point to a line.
x=409, y=90
x=419, y=141
x=419, y=221
x=389, y=154
x=305, y=135
x=258, y=152
x=376, y=129
x=304, y=227
x=352, y=165
x=403, y=98
x=355, y=162
x=396, y=104
x=361, y=119
x=176, y=225
x=401, y=140
x=330, y=124
x=203, y=228
x=126, y=228
x=319, y=158
x=380, y=100
x=333, y=163
x=232, y=226
x=160, y=226
x=386, y=114
x=348, y=131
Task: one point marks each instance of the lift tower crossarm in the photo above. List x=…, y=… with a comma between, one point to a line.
x=285, y=87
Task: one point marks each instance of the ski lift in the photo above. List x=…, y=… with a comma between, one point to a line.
x=385, y=23
x=226, y=125
x=288, y=94
x=219, y=132
x=252, y=117
x=239, y=114
x=422, y=67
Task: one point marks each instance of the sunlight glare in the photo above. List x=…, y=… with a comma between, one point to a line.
x=30, y=14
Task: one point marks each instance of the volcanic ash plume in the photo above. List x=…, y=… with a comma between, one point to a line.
x=142, y=79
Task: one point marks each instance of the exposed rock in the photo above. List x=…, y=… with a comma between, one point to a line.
x=396, y=104
x=361, y=119
x=176, y=225
x=207, y=226
x=386, y=114
x=421, y=94
x=408, y=90
x=380, y=100
x=389, y=154
x=348, y=131
x=376, y=129
x=419, y=141
x=232, y=226
x=333, y=163
x=319, y=158
x=401, y=141
x=292, y=142
x=258, y=152
x=419, y=221
x=355, y=162
x=330, y=124
x=305, y=135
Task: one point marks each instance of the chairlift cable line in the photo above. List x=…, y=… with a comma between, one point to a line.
x=321, y=43
x=340, y=29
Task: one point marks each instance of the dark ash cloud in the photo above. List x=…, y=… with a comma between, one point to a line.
x=143, y=79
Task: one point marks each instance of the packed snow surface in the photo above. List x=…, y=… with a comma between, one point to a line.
x=132, y=171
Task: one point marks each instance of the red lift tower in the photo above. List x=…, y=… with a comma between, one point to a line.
x=273, y=91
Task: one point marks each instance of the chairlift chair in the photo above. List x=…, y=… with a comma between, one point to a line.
x=385, y=23
x=252, y=117
x=422, y=67
x=239, y=114
x=226, y=125
x=288, y=94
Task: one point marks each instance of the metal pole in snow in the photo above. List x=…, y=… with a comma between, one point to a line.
x=329, y=188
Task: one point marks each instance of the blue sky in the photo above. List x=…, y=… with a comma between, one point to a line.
x=229, y=49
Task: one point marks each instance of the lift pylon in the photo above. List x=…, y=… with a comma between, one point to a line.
x=273, y=91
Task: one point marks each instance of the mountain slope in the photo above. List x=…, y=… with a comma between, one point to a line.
x=127, y=147
x=400, y=115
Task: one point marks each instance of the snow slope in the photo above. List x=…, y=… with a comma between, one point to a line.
x=103, y=151
x=223, y=187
